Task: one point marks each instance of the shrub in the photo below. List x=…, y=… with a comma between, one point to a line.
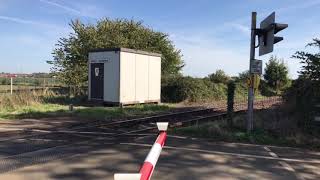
x=179, y=89
x=303, y=96
x=5, y=81
x=219, y=77
x=266, y=90
x=241, y=90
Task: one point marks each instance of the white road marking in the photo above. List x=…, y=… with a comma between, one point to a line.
x=287, y=166
x=39, y=139
x=267, y=149
x=231, y=154
x=284, y=164
x=58, y=131
x=273, y=154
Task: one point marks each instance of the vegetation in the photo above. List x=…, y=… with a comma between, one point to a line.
x=219, y=77
x=70, y=55
x=276, y=74
x=5, y=81
x=176, y=89
x=273, y=127
x=48, y=103
x=304, y=94
x=189, y=89
x=311, y=62
x=243, y=77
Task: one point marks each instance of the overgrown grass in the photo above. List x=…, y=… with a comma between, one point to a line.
x=54, y=110
x=46, y=104
x=34, y=111
x=116, y=112
x=220, y=132
x=269, y=130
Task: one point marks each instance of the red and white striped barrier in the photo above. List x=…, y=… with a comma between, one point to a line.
x=152, y=158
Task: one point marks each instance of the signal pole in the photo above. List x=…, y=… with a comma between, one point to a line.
x=251, y=90
x=266, y=34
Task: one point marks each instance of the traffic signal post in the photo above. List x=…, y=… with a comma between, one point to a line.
x=266, y=40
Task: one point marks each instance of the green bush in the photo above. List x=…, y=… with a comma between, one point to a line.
x=179, y=89
x=219, y=77
x=266, y=90
x=303, y=96
x=5, y=81
x=241, y=90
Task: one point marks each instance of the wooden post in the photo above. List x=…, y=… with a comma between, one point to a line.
x=11, y=85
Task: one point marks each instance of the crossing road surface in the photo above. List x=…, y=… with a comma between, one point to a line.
x=68, y=155
x=182, y=158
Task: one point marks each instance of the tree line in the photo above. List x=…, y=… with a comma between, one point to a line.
x=69, y=61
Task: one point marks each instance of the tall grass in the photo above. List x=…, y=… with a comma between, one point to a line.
x=12, y=102
x=272, y=126
x=47, y=103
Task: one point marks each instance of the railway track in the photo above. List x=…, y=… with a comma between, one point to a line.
x=48, y=145
x=52, y=144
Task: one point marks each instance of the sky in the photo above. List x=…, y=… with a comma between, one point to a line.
x=211, y=34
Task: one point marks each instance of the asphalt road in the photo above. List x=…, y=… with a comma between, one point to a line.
x=70, y=156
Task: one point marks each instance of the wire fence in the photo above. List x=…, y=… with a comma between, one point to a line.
x=241, y=103
x=28, y=83
x=37, y=84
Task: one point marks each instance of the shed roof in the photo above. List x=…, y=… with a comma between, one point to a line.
x=126, y=50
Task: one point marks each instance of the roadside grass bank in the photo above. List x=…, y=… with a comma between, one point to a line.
x=271, y=128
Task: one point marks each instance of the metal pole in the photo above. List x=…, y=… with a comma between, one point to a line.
x=11, y=86
x=251, y=90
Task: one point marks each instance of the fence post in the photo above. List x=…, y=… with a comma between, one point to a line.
x=230, y=102
x=11, y=85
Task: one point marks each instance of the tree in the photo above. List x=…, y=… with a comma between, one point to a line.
x=219, y=77
x=311, y=62
x=243, y=77
x=304, y=94
x=70, y=55
x=276, y=74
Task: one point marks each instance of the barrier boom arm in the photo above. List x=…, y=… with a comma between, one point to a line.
x=151, y=159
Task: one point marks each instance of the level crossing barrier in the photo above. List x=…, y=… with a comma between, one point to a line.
x=150, y=162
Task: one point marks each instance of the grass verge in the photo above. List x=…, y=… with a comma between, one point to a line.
x=47, y=103
x=220, y=131
x=55, y=110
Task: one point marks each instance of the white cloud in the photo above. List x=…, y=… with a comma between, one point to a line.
x=242, y=28
x=61, y=6
x=19, y=20
x=90, y=10
x=50, y=27
x=78, y=9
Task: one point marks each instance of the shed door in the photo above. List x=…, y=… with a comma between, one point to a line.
x=97, y=75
